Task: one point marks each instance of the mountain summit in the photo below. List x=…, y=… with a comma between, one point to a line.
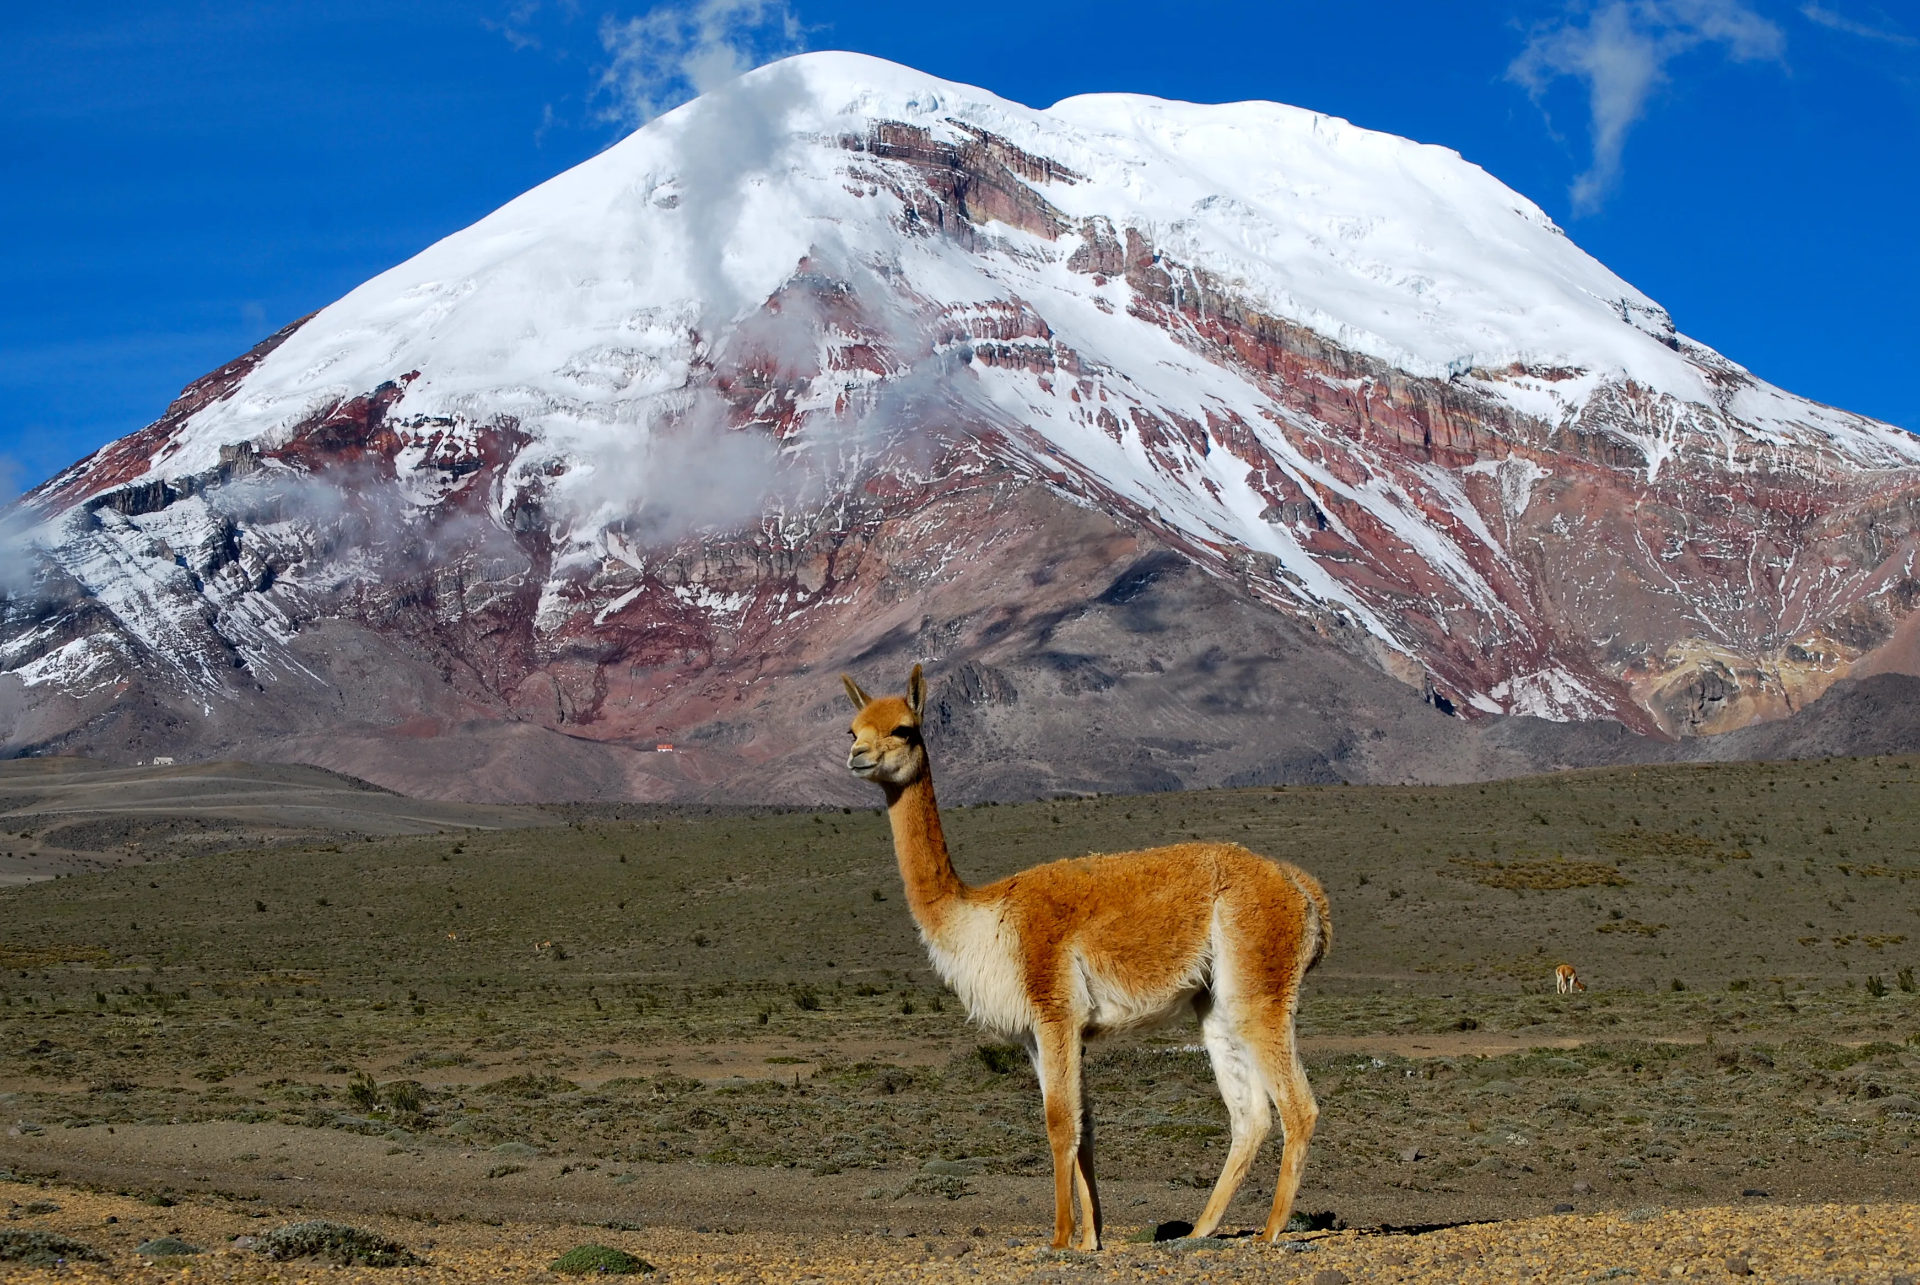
x=1187, y=444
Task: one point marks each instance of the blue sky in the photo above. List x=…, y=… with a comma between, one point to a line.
x=178, y=180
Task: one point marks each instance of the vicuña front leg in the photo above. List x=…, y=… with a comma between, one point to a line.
x=1057, y=1059
x=1090, y=1224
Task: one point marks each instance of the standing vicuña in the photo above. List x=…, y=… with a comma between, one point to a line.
x=1566, y=981
x=1075, y=948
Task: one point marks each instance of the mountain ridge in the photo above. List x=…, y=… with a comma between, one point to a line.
x=819, y=358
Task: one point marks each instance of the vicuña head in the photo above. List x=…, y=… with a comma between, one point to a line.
x=886, y=733
x=1066, y=951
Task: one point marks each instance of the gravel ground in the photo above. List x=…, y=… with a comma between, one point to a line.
x=1877, y=1244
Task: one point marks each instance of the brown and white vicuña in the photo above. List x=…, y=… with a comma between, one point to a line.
x=1063, y=952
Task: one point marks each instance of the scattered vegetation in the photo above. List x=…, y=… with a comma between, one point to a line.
x=583, y=1260
x=1542, y=876
x=166, y=1247
x=337, y=1243
x=427, y=1006
x=44, y=1249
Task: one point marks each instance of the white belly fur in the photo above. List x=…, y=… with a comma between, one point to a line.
x=977, y=956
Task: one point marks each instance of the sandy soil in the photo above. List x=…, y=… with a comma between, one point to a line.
x=1875, y=1244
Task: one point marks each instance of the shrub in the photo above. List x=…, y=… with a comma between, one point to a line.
x=403, y=1096
x=529, y=1086
x=1905, y=978
x=44, y=1249
x=599, y=1259
x=1875, y=986
x=1000, y=1058
x=166, y=1247
x=337, y=1242
x=363, y=1092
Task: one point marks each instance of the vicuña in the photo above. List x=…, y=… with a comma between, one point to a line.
x=1062, y=952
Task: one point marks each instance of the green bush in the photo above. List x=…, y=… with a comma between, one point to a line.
x=403, y=1096
x=362, y=1092
x=599, y=1259
x=166, y=1247
x=1000, y=1058
x=337, y=1242
x=44, y=1249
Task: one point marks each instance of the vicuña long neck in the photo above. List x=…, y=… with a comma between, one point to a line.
x=921, y=848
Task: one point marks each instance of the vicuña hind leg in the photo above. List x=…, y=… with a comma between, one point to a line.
x=1279, y=1058
x=1236, y=1069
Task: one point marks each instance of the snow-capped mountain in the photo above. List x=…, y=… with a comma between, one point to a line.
x=845, y=364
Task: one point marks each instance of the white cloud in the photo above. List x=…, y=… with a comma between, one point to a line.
x=677, y=51
x=1621, y=51
x=1840, y=22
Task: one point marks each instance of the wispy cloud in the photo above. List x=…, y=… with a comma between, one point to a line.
x=523, y=17
x=1840, y=22
x=1620, y=50
x=677, y=51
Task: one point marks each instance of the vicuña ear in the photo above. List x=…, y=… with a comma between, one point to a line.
x=917, y=691
x=859, y=698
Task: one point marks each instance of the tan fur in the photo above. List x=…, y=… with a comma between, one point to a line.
x=1566, y=981
x=1066, y=951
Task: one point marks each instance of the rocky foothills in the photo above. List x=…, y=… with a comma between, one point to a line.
x=1105, y=412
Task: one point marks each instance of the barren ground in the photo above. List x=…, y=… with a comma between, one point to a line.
x=634, y=1025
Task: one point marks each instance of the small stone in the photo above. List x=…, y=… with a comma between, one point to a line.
x=1563, y=1208
x=1411, y=1154
x=1328, y=1276
x=1737, y=1265
x=1755, y=1191
x=1582, y=1188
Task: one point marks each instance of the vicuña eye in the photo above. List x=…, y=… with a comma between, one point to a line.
x=903, y=730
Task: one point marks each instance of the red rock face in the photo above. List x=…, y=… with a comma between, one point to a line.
x=1537, y=568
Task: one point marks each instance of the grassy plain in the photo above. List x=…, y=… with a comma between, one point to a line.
x=636, y=998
